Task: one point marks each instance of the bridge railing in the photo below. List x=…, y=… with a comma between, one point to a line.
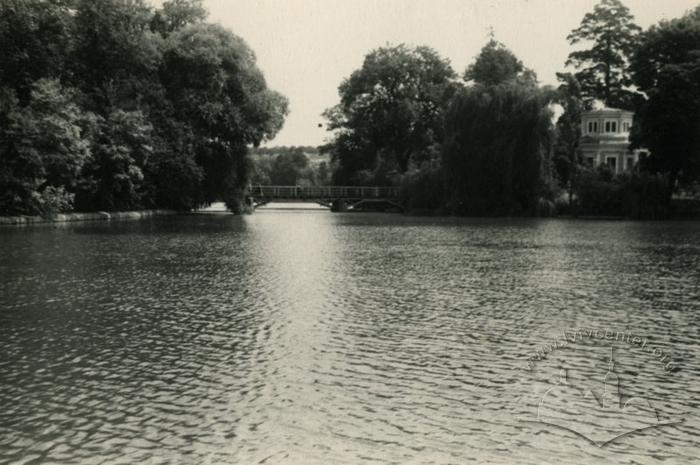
x=324, y=192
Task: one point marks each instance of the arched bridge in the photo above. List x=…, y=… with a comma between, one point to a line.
x=337, y=198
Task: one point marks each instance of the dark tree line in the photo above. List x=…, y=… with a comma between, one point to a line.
x=390, y=115
x=476, y=146
x=666, y=67
x=656, y=74
x=115, y=105
x=486, y=144
x=496, y=155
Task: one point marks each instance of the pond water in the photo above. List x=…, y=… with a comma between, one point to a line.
x=306, y=337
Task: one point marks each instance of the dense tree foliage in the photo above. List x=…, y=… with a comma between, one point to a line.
x=176, y=14
x=390, y=115
x=289, y=166
x=483, y=148
x=288, y=169
x=495, y=65
x=110, y=104
x=602, y=69
x=113, y=178
x=496, y=157
x=35, y=35
x=567, y=130
x=43, y=146
x=211, y=81
x=666, y=67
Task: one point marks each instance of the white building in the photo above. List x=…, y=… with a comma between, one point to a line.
x=605, y=139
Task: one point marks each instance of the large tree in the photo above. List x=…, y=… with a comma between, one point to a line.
x=176, y=14
x=390, y=113
x=610, y=33
x=666, y=67
x=42, y=145
x=113, y=179
x=35, y=36
x=122, y=106
x=212, y=80
x=496, y=155
x=116, y=57
x=496, y=64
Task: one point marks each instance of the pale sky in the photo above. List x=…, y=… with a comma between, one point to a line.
x=307, y=47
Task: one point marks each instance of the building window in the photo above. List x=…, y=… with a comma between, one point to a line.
x=592, y=127
x=612, y=163
x=590, y=161
x=611, y=126
x=626, y=126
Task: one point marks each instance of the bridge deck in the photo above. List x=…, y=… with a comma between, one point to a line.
x=323, y=192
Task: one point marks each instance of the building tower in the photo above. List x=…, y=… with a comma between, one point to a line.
x=605, y=139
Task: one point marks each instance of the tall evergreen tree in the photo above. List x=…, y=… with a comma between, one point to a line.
x=602, y=69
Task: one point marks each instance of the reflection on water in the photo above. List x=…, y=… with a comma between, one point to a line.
x=304, y=337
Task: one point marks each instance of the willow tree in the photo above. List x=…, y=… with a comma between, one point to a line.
x=496, y=156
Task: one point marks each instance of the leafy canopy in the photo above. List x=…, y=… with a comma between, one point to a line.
x=113, y=104
x=34, y=35
x=176, y=14
x=390, y=113
x=496, y=65
x=497, y=137
x=666, y=67
x=611, y=34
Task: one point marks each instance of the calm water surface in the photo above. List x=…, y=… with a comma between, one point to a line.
x=305, y=337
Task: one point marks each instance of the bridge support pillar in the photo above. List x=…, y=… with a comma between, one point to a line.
x=339, y=205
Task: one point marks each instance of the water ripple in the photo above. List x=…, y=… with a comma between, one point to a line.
x=312, y=338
